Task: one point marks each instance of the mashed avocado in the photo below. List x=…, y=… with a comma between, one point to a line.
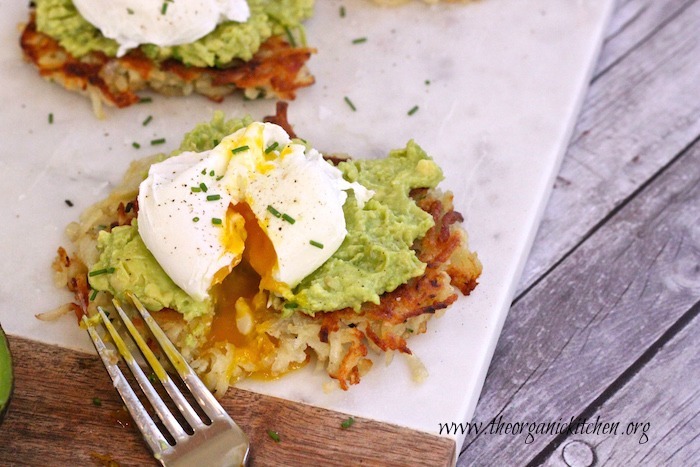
x=230, y=40
x=126, y=265
x=375, y=257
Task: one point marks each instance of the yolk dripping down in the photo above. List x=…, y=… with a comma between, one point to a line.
x=241, y=312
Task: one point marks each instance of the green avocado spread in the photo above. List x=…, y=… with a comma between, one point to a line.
x=375, y=257
x=228, y=41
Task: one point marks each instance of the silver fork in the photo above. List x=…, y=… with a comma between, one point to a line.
x=217, y=441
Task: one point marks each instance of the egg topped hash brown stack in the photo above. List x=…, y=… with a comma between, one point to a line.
x=259, y=336
x=84, y=61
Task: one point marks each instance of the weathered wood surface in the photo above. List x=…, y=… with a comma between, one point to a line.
x=664, y=394
x=54, y=421
x=612, y=290
x=641, y=110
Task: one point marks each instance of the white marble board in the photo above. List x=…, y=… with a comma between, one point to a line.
x=498, y=84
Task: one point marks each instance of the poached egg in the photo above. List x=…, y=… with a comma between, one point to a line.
x=257, y=196
x=160, y=22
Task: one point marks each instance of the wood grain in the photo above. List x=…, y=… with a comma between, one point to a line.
x=637, y=116
x=54, y=420
x=580, y=329
x=664, y=394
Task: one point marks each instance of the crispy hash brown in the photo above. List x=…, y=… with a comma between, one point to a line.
x=277, y=70
x=340, y=341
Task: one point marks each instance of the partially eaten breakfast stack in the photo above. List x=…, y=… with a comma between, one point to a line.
x=110, y=50
x=258, y=255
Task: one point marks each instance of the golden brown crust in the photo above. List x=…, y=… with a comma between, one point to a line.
x=276, y=70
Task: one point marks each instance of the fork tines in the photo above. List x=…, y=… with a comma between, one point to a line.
x=216, y=436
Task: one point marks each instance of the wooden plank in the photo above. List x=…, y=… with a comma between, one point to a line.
x=665, y=395
x=637, y=117
x=580, y=328
x=52, y=420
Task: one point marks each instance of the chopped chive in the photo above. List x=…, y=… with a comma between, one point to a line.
x=288, y=218
x=93, y=295
x=347, y=423
x=145, y=100
x=204, y=171
x=274, y=435
x=130, y=11
x=219, y=177
x=427, y=82
x=239, y=149
x=69, y=203
x=203, y=187
x=157, y=141
x=211, y=173
x=96, y=401
x=216, y=221
x=99, y=272
x=50, y=118
x=271, y=147
x=359, y=40
x=290, y=37
x=195, y=189
x=349, y=102
x=413, y=110
x=274, y=211
x=136, y=145
x=316, y=244
x=164, y=8
x=291, y=305
x=195, y=219
x=147, y=121
x=213, y=197
x=342, y=12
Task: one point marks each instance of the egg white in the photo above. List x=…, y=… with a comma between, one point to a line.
x=295, y=196
x=163, y=23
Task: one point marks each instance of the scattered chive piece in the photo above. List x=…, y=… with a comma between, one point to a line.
x=204, y=171
x=349, y=102
x=413, y=110
x=342, y=12
x=152, y=378
x=271, y=147
x=291, y=305
x=136, y=145
x=99, y=272
x=219, y=177
x=213, y=197
x=427, y=82
x=93, y=295
x=288, y=218
x=216, y=221
x=316, y=244
x=290, y=37
x=195, y=189
x=96, y=401
x=347, y=423
x=195, y=219
x=164, y=8
x=50, y=118
x=273, y=211
x=274, y=435
x=239, y=149
x=148, y=120
x=157, y=141
x=69, y=203
x=211, y=173
x=203, y=187
x=130, y=11
x=145, y=100
x=359, y=40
